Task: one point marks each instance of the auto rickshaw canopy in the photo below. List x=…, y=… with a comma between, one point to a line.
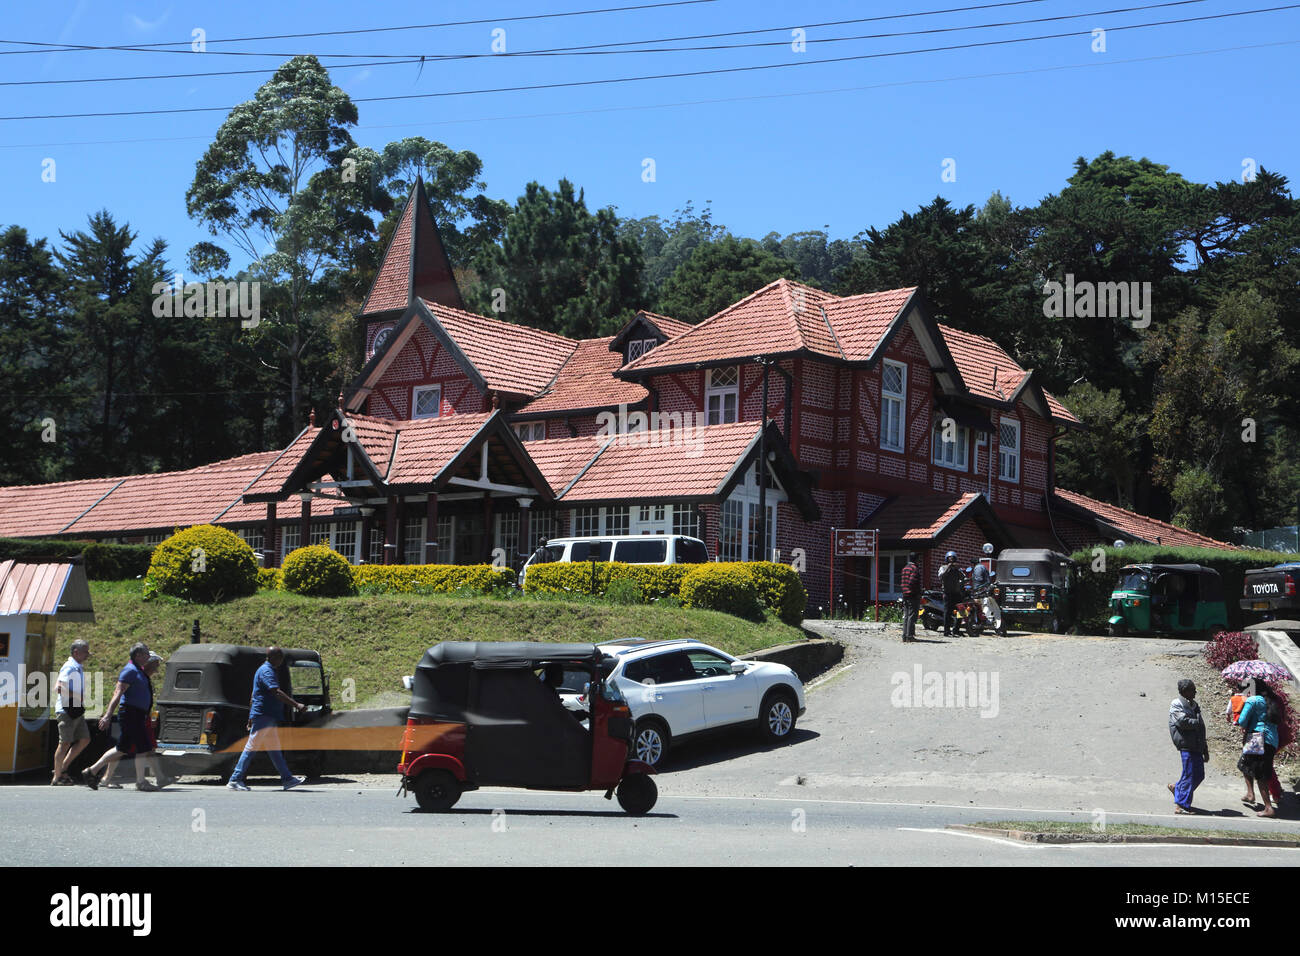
x=1201, y=583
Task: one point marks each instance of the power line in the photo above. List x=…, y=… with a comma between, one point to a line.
x=154, y=47
x=586, y=50
x=664, y=76
x=709, y=102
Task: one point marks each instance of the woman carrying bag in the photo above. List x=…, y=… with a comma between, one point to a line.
x=1260, y=717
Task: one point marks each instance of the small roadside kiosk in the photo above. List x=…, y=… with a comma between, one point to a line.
x=33, y=599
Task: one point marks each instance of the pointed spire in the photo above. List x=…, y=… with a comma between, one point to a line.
x=415, y=264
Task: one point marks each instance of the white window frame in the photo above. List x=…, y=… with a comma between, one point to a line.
x=419, y=390
x=413, y=541
x=531, y=431
x=720, y=392
x=891, y=566
x=292, y=529
x=897, y=399
x=686, y=520
x=745, y=498
x=961, y=445
x=639, y=347
x=1009, y=453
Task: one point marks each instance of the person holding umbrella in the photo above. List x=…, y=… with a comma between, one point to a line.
x=1260, y=716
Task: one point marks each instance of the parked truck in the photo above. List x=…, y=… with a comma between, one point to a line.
x=1271, y=592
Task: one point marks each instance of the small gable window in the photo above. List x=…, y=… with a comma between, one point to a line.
x=426, y=401
x=722, y=388
x=893, y=399
x=1009, y=449
x=639, y=347
x=531, y=431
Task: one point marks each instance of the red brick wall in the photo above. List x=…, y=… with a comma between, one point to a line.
x=422, y=361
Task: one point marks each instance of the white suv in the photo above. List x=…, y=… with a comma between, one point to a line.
x=680, y=688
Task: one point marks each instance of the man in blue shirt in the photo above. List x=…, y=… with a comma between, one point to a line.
x=265, y=712
x=135, y=693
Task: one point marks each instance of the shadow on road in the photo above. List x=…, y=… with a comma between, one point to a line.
x=690, y=754
x=483, y=812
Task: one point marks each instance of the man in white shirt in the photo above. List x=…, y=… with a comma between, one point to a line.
x=70, y=712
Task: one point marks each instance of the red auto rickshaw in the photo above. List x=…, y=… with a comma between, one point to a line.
x=490, y=714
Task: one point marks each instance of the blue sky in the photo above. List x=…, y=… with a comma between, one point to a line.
x=840, y=146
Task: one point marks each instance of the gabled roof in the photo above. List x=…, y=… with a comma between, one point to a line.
x=993, y=376
x=671, y=328
x=660, y=326
x=923, y=520
x=498, y=356
x=860, y=322
x=676, y=464
x=1114, y=521
x=415, y=263
x=586, y=382
x=782, y=318
x=399, y=456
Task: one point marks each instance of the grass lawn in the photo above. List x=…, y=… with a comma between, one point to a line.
x=375, y=639
x=1135, y=829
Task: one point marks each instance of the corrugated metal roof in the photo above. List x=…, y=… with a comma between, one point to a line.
x=58, y=589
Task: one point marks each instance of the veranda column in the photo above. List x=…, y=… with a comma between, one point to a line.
x=488, y=539
x=304, y=525
x=390, y=530
x=269, y=551
x=525, y=546
x=363, y=555
x=431, y=528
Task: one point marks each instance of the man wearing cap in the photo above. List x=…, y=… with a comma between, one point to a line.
x=953, y=582
x=70, y=712
x=264, y=714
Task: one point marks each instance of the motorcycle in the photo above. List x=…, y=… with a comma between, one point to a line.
x=968, y=614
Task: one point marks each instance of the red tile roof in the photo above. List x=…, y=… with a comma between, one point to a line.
x=415, y=262
x=31, y=511
x=586, y=380
x=425, y=446
x=685, y=464
x=990, y=373
x=510, y=358
x=860, y=321
x=781, y=317
x=917, y=519
x=561, y=459
x=277, y=473
x=668, y=326
x=1140, y=526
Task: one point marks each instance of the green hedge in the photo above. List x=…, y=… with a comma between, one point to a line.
x=728, y=586
x=317, y=571
x=1095, y=587
x=778, y=586
x=431, y=578
x=103, y=562
x=270, y=579
x=203, y=563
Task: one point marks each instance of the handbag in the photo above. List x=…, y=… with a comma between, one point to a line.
x=1254, y=743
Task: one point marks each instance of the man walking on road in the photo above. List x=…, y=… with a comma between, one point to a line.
x=70, y=712
x=911, y=583
x=264, y=715
x=1187, y=730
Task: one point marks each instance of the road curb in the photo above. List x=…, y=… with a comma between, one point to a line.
x=1030, y=836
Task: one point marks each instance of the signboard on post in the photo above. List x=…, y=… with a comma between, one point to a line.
x=855, y=543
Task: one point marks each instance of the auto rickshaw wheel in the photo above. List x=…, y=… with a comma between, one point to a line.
x=436, y=790
x=650, y=742
x=637, y=794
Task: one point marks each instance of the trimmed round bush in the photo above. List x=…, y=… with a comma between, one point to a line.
x=781, y=589
x=317, y=571
x=203, y=563
x=729, y=587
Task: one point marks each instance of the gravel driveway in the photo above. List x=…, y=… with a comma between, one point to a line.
x=1063, y=723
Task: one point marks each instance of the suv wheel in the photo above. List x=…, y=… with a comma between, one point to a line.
x=436, y=790
x=650, y=743
x=778, y=716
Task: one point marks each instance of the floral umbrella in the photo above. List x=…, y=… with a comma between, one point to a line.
x=1256, y=669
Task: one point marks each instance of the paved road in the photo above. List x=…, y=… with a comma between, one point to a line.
x=347, y=825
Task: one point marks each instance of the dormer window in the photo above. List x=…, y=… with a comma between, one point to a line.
x=721, y=394
x=639, y=347
x=531, y=431
x=426, y=401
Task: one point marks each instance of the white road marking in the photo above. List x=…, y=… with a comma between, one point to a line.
x=1076, y=846
x=825, y=677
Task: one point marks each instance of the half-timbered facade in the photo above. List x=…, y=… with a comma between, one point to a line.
x=467, y=438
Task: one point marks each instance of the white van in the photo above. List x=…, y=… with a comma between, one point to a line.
x=628, y=548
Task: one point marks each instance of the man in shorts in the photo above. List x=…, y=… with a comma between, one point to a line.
x=135, y=693
x=70, y=712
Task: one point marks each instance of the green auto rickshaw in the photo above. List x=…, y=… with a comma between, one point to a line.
x=1167, y=598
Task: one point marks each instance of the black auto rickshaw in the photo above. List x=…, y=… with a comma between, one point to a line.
x=490, y=714
x=1036, y=586
x=1169, y=598
x=204, y=703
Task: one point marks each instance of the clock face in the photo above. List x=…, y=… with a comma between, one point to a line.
x=380, y=338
